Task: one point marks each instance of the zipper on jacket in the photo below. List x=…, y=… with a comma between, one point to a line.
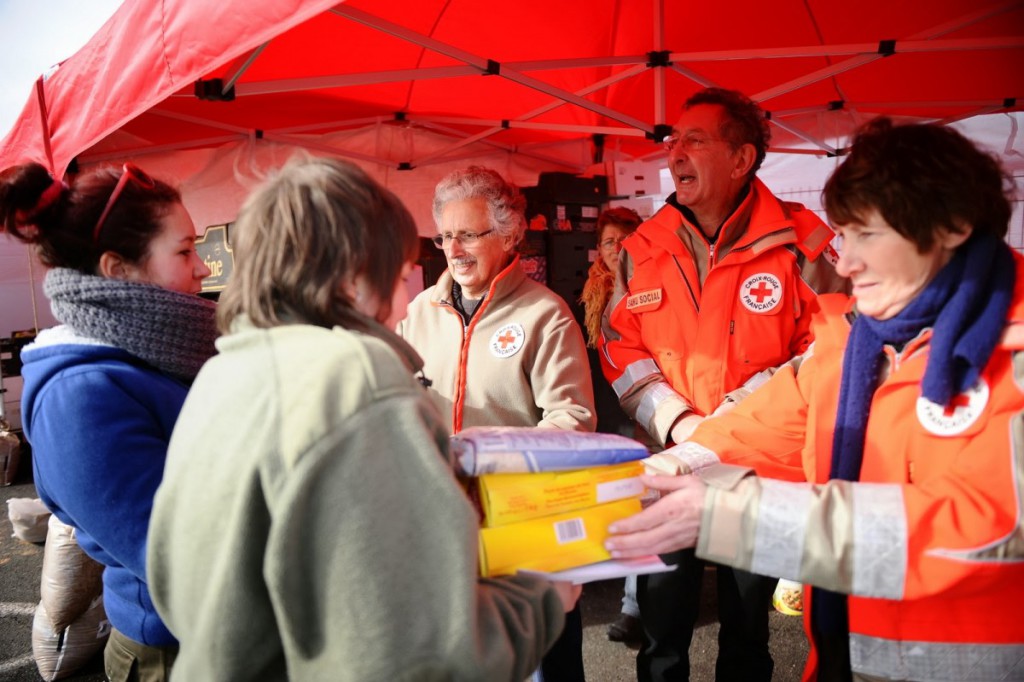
x=732, y=327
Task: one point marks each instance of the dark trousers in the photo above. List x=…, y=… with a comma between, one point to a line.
x=125, y=660
x=669, y=604
x=564, y=661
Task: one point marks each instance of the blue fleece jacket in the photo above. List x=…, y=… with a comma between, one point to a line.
x=99, y=421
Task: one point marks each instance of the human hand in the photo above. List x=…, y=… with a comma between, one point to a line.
x=670, y=524
x=568, y=592
x=684, y=427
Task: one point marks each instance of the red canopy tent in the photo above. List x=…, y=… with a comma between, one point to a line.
x=522, y=77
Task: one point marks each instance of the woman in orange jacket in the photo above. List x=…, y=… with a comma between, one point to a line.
x=885, y=467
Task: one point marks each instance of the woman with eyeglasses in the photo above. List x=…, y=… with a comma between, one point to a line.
x=613, y=225
x=309, y=526
x=899, y=432
x=500, y=348
x=103, y=390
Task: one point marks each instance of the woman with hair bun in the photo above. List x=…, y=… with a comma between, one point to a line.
x=102, y=391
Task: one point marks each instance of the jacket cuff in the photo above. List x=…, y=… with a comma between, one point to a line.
x=670, y=407
x=730, y=513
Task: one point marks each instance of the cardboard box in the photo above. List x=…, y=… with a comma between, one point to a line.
x=551, y=543
x=634, y=178
x=511, y=498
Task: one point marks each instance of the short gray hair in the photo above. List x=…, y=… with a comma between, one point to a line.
x=506, y=206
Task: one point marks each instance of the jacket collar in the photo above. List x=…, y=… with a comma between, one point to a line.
x=760, y=221
x=506, y=282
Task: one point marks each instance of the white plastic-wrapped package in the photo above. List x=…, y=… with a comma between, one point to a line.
x=71, y=579
x=60, y=653
x=525, y=449
x=28, y=515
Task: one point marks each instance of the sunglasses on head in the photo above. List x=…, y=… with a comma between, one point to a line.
x=129, y=171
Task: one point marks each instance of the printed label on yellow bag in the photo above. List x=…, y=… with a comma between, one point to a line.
x=552, y=543
x=510, y=498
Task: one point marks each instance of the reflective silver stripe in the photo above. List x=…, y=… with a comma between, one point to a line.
x=781, y=528
x=654, y=395
x=879, y=540
x=894, y=660
x=694, y=455
x=634, y=373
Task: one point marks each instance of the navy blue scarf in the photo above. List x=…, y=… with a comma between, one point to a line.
x=965, y=305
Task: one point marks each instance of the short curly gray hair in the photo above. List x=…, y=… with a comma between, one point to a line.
x=506, y=206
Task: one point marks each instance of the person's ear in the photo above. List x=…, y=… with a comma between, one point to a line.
x=951, y=240
x=348, y=286
x=114, y=266
x=744, y=158
x=508, y=243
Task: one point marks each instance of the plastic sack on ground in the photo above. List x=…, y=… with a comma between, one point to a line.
x=29, y=516
x=59, y=654
x=10, y=453
x=71, y=580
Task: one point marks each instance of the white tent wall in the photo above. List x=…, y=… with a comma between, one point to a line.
x=214, y=182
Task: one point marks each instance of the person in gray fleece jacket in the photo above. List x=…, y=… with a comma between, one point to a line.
x=309, y=525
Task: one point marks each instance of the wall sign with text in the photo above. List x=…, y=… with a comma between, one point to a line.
x=215, y=252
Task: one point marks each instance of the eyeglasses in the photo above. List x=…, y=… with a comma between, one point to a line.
x=129, y=171
x=610, y=243
x=464, y=238
x=690, y=143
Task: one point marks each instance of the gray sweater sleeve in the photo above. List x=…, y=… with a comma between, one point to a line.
x=375, y=542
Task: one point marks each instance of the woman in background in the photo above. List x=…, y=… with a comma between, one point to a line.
x=309, y=525
x=103, y=390
x=613, y=225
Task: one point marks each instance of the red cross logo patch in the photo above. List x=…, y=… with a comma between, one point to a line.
x=507, y=341
x=761, y=293
x=955, y=418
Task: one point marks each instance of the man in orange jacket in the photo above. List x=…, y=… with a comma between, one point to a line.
x=714, y=292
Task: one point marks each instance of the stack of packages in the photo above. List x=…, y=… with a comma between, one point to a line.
x=547, y=496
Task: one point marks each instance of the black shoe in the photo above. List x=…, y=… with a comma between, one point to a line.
x=626, y=629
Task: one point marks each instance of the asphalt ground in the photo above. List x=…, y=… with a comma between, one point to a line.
x=604, y=661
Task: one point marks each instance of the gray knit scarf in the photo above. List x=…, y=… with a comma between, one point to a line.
x=172, y=331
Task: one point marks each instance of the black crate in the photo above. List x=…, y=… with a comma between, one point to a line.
x=535, y=243
x=570, y=292
x=432, y=260
x=564, y=188
x=569, y=256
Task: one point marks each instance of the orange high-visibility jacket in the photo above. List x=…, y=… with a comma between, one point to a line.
x=929, y=542
x=692, y=322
